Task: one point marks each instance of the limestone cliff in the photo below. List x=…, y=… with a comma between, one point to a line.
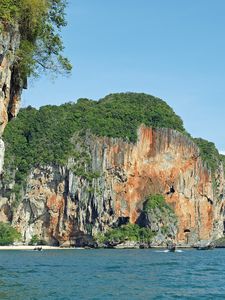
x=10, y=82
x=109, y=184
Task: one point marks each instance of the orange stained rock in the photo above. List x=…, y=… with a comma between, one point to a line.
x=158, y=161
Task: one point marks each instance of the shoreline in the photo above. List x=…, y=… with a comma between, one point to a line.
x=121, y=247
x=44, y=247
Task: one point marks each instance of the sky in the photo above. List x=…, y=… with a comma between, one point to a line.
x=172, y=49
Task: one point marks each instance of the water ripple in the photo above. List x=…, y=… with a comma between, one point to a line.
x=112, y=274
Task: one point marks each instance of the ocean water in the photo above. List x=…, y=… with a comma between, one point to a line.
x=112, y=274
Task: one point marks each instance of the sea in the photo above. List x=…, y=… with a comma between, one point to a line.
x=112, y=274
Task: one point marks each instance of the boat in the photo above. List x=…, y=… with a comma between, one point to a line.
x=207, y=247
x=171, y=247
x=37, y=249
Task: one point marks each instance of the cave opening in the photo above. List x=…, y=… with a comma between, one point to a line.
x=1, y=58
x=171, y=191
x=187, y=230
x=4, y=88
x=210, y=201
x=123, y=221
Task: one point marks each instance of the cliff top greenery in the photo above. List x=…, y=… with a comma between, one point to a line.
x=209, y=153
x=44, y=136
x=39, y=23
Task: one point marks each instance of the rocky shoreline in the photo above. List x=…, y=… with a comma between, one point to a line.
x=126, y=245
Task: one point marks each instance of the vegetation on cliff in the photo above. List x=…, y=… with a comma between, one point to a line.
x=8, y=234
x=129, y=232
x=39, y=23
x=210, y=154
x=156, y=201
x=44, y=136
x=159, y=216
x=35, y=240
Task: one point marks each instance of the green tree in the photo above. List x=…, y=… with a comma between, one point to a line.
x=8, y=234
x=40, y=22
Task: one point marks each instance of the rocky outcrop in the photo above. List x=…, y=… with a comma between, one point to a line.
x=63, y=204
x=11, y=83
x=163, y=223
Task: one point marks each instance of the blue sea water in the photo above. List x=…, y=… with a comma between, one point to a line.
x=112, y=274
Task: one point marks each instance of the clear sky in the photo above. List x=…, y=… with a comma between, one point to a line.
x=172, y=49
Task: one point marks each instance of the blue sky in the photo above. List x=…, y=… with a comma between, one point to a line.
x=172, y=49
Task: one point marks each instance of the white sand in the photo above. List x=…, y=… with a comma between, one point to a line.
x=32, y=248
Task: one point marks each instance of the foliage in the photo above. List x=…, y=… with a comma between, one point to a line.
x=129, y=232
x=156, y=201
x=8, y=234
x=222, y=160
x=9, y=10
x=209, y=154
x=44, y=136
x=124, y=112
x=36, y=241
x=40, y=22
x=220, y=243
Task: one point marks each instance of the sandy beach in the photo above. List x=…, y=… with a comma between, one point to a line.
x=26, y=247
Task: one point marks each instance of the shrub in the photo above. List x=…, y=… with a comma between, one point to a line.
x=35, y=240
x=209, y=154
x=8, y=234
x=155, y=201
x=129, y=232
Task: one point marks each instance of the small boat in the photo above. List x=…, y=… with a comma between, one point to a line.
x=206, y=247
x=171, y=247
x=38, y=249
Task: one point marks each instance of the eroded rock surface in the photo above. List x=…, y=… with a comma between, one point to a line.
x=11, y=83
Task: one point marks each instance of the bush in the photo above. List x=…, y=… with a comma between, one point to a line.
x=155, y=201
x=8, y=234
x=129, y=232
x=210, y=154
x=35, y=240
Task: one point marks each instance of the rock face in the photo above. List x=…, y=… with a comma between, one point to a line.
x=64, y=204
x=162, y=221
x=11, y=83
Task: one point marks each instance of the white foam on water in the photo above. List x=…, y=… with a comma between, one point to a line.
x=166, y=251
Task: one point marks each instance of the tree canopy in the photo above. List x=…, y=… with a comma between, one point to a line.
x=40, y=22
